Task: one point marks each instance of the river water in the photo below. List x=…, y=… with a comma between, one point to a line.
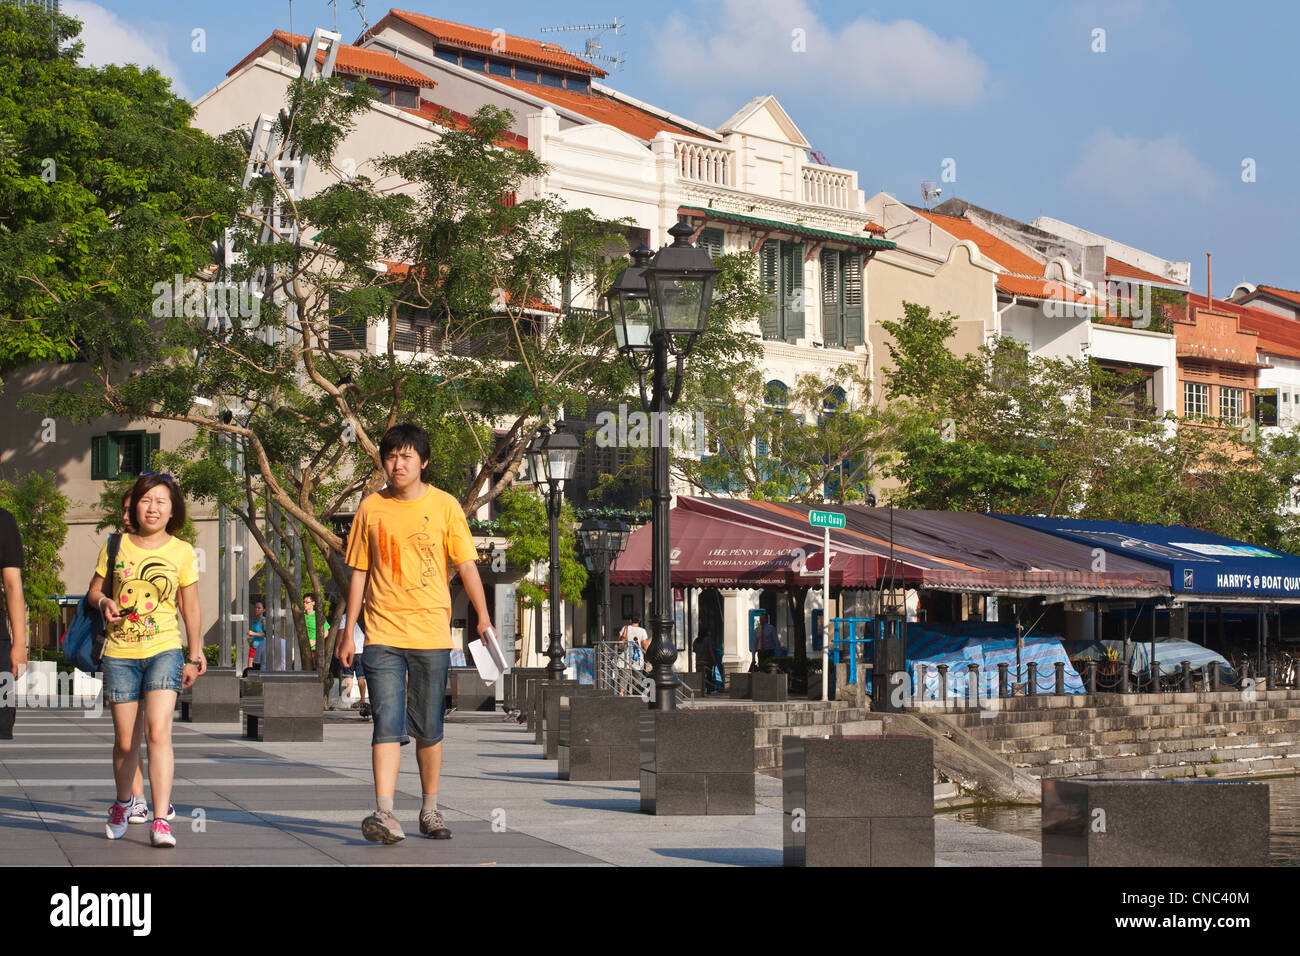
x=1284, y=820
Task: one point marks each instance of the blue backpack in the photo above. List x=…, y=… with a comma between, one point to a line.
x=83, y=643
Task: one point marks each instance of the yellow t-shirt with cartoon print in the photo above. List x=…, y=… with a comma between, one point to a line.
x=146, y=589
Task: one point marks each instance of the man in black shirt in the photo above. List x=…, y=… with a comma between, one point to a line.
x=13, y=623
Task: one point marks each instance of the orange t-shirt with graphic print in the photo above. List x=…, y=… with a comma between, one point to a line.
x=407, y=549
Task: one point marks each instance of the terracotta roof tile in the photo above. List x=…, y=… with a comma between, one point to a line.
x=640, y=123
x=476, y=38
x=350, y=59
x=1277, y=335
x=448, y=117
x=1289, y=294
x=1003, y=253
x=1028, y=287
x=875, y=228
x=1122, y=270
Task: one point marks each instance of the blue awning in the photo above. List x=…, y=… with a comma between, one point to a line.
x=1199, y=563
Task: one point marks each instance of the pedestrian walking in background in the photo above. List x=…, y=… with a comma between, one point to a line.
x=144, y=662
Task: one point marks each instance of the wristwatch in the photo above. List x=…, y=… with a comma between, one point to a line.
x=198, y=663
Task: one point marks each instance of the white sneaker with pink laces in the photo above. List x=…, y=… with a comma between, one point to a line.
x=160, y=834
x=117, y=817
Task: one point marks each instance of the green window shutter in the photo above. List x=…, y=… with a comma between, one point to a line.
x=103, y=458
x=854, y=307
x=151, y=440
x=711, y=241
x=769, y=271
x=99, y=458
x=830, y=263
x=792, y=282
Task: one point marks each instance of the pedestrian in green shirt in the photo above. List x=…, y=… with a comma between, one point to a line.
x=309, y=612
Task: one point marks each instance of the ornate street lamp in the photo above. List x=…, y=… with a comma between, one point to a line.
x=670, y=297
x=553, y=459
x=602, y=541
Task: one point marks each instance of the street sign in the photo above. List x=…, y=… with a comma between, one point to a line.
x=826, y=519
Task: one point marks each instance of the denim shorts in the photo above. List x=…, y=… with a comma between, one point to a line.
x=357, y=670
x=406, y=688
x=125, y=680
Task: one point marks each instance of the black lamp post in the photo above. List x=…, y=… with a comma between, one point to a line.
x=602, y=541
x=658, y=308
x=553, y=457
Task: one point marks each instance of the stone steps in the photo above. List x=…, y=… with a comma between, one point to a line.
x=1138, y=748
x=1240, y=711
x=1272, y=762
x=992, y=729
x=1107, y=737
x=1129, y=761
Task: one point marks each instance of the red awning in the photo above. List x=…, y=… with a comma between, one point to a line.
x=741, y=544
x=708, y=551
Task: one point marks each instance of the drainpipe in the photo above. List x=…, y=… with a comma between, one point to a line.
x=1015, y=300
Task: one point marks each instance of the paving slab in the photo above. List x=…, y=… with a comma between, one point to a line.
x=302, y=804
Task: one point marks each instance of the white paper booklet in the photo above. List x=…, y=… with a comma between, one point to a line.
x=489, y=660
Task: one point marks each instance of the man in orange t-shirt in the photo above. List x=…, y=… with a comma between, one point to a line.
x=403, y=540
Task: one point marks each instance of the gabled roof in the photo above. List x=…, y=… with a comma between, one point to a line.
x=1278, y=335
x=1290, y=295
x=350, y=59
x=638, y=122
x=488, y=41
x=767, y=103
x=1000, y=251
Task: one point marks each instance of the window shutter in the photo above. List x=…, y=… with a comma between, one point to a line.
x=830, y=264
x=854, y=307
x=99, y=458
x=151, y=440
x=711, y=241
x=103, y=458
x=792, y=303
x=769, y=272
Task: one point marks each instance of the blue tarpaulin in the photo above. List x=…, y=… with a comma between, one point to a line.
x=1169, y=656
x=987, y=644
x=1198, y=562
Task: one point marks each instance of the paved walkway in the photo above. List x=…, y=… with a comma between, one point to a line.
x=245, y=803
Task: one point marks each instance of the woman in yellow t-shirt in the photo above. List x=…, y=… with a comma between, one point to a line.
x=153, y=576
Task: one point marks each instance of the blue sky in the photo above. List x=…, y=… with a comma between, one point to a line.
x=1138, y=132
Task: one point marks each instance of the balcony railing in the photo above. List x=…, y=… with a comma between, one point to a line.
x=709, y=165
x=827, y=187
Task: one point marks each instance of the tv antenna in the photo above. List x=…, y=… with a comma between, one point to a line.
x=360, y=7
x=930, y=193
x=593, y=43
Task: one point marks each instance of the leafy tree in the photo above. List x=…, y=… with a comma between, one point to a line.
x=39, y=508
x=523, y=520
x=105, y=189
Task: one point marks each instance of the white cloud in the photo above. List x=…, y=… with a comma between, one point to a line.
x=752, y=42
x=1139, y=170
x=109, y=39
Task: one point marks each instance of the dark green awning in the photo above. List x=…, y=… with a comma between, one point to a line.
x=776, y=225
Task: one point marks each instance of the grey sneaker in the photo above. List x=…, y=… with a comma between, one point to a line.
x=433, y=826
x=382, y=827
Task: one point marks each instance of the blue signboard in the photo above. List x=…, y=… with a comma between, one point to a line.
x=1198, y=562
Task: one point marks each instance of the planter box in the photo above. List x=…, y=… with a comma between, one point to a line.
x=600, y=737
x=858, y=801
x=1171, y=823
x=697, y=762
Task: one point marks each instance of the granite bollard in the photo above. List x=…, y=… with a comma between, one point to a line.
x=770, y=688
x=468, y=691
x=214, y=698
x=1155, y=823
x=697, y=762
x=738, y=685
x=600, y=737
x=289, y=709
x=551, y=714
x=858, y=801
x=538, y=691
